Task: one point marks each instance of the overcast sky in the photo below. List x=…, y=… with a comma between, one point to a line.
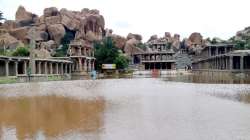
x=212, y=18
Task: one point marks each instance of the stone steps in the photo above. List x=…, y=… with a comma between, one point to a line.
x=182, y=60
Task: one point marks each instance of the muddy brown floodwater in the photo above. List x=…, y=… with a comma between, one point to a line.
x=125, y=109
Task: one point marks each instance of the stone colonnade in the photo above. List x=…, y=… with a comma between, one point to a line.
x=159, y=65
x=53, y=67
x=224, y=62
x=83, y=64
x=20, y=66
x=214, y=51
x=151, y=61
x=155, y=56
x=77, y=50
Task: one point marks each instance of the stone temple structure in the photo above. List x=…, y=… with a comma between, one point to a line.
x=82, y=56
x=159, y=55
x=222, y=57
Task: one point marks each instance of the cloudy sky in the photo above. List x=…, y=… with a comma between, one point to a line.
x=212, y=18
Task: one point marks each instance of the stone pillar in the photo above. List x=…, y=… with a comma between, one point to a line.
x=45, y=68
x=57, y=68
x=89, y=52
x=39, y=67
x=226, y=63
x=24, y=67
x=241, y=63
x=16, y=68
x=85, y=51
x=70, y=68
x=216, y=51
x=231, y=63
x=61, y=69
x=93, y=53
x=89, y=65
x=66, y=68
x=80, y=64
x=93, y=65
x=50, y=68
x=85, y=64
x=209, y=52
x=215, y=63
x=6, y=68
x=76, y=66
x=80, y=51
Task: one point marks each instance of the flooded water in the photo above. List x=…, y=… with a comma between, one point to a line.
x=125, y=109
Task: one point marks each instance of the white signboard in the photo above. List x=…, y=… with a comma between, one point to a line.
x=109, y=66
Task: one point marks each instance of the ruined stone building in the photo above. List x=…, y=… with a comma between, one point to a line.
x=158, y=56
x=222, y=57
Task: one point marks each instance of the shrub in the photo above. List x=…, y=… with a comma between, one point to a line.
x=21, y=51
x=121, y=62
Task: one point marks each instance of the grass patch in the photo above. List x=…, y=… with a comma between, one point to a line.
x=55, y=78
x=8, y=80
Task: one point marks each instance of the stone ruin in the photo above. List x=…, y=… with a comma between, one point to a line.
x=51, y=27
x=174, y=41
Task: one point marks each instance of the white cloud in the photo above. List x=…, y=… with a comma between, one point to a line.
x=221, y=18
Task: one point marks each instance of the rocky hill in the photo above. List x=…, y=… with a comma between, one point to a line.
x=50, y=28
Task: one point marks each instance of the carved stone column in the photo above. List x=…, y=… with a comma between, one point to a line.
x=57, y=68
x=80, y=64
x=241, y=63
x=24, y=67
x=39, y=67
x=66, y=68
x=7, y=68
x=45, y=68
x=231, y=63
x=85, y=64
x=16, y=68
x=51, y=68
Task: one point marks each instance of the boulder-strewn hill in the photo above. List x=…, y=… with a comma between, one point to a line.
x=53, y=26
x=242, y=39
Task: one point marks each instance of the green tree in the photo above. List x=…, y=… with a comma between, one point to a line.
x=239, y=44
x=214, y=41
x=107, y=53
x=121, y=62
x=141, y=46
x=21, y=51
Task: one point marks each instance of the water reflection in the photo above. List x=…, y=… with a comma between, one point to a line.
x=130, y=109
x=195, y=78
x=50, y=115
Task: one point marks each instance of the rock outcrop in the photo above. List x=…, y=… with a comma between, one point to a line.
x=25, y=18
x=196, y=38
x=51, y=11
x=174, y=41
x=54, y=24
x=56, y=32
x=20, y=33
x=135, y=36
x=133, y=40
x=119, y=41
x=243, y=34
